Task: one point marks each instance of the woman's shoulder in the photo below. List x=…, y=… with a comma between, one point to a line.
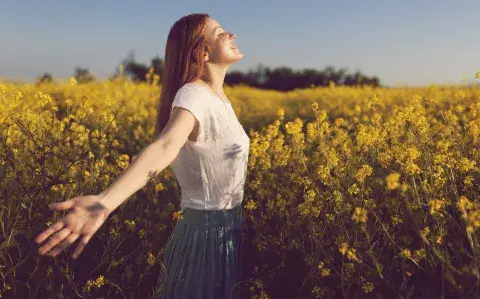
x=192, y=89
x=198, y=91
x=193, y=86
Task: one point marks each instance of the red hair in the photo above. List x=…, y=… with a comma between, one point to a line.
x=184, y=52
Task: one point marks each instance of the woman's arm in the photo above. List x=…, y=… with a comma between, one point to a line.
x=152, y=160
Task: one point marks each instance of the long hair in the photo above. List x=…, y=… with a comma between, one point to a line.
x=184, y=63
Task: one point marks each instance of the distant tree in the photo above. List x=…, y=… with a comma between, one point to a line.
x=261, y=73
x=44, y=78
x=284, y=78
x=83, y=75
x=235, y=78
x=309, y=77
x=157, y=65
x=375, y=81
x=137, y=71
x=281, y=78
x=133, y=70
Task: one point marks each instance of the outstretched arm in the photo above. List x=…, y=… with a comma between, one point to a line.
x=151, y=160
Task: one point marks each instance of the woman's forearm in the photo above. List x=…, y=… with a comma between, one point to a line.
x=151, y=161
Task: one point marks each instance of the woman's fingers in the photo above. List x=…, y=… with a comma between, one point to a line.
x=55, y=240
x=51, y=230
x=81, y=246
x=65, y=243
x=60, y=206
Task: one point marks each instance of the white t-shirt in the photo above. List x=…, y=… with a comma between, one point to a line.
x=211, y=171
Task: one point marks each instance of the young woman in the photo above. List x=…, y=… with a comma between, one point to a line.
x=198, y=132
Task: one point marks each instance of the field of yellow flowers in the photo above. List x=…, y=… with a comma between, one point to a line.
x=351, y=192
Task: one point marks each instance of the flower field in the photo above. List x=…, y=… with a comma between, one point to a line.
x=351, y=192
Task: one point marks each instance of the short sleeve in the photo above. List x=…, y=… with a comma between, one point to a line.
x=189, y=99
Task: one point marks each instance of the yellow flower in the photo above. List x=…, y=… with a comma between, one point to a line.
x=323, y=172
x=325, y=272
x=280, y=113
x=374, y=102
x=460, y=94
x=72, y=81
x=470, y=229
x=464, y=203
x=309, y=196
x=368, y=287
x=177, y=216
x=474, y=219
x=350, y=252
x=251, y=205
x=99, y=281
x=406, y=253
x=468, y=181
x=393, y=181
x=343, y=248
x=425, y=231
x=130, y=224
x=339, y=121
x=293, y=128
x=159, y=187
x=360, y=215
x=364, y=172
x=17, y=95
x=353, y=189
x=435, y=205
x=466, y=165
x=412, y=168
x=477, y=75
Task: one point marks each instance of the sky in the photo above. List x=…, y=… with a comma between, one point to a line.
x=407, y=42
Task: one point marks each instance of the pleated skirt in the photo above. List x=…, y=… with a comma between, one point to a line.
x=203, y=256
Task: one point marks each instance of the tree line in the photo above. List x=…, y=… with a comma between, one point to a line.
x=281, y=78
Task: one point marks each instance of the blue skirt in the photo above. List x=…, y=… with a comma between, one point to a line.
x=202, y=258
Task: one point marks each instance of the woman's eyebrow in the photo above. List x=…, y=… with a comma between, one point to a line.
x=216, y=28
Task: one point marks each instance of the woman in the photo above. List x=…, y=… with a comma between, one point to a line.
x=197, y=131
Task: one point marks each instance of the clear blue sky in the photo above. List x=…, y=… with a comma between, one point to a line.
x=402, y=42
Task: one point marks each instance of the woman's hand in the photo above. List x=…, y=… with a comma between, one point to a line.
x=86, y=217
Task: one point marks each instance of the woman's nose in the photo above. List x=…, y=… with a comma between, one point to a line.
x=232, y=35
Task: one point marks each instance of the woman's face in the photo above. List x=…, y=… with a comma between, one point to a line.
x=222, y=44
